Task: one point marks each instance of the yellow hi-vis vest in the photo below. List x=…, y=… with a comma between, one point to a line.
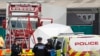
x=1, y=42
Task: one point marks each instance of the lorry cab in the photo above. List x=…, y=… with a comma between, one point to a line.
x=22, y=18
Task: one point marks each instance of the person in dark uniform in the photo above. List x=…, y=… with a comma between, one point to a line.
x=16, y=49
x=39, y=48
x=49, y=47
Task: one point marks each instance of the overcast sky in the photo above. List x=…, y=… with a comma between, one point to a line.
x=64, y=3
x=73, y=1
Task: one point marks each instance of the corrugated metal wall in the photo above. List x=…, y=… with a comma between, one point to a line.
x=2, y=32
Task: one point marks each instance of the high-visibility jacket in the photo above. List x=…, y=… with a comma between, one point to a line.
x=1, y=42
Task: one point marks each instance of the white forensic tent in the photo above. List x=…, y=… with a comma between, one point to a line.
x=49, y=30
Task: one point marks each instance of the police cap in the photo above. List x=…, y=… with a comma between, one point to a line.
x=39, y=38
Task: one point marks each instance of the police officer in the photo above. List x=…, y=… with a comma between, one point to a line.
x=16, y=49
x=39, y=48
x=49, y=47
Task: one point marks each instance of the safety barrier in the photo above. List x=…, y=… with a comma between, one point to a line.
x=25, y=52
x=5, y=52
